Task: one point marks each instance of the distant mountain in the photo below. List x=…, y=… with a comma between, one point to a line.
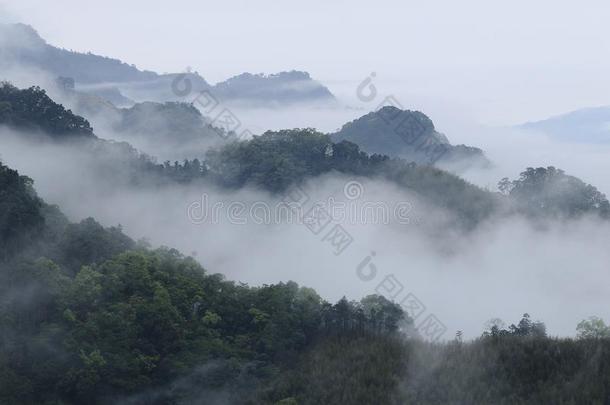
x=21, y=44
x=112, y=95
x=406, y=134
x=275, y=161
x=170, y=130
x=284, y=87
x=585, y=125
x=37, y=120
x=166, y=87
x=116, y=81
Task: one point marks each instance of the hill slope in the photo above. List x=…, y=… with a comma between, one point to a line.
x=22, y=46
x=88, y=316
x=282, y=88
x=588, y=125
x=406, y=134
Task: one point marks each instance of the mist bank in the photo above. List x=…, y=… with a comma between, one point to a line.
x=503, y=268
x=434, y=232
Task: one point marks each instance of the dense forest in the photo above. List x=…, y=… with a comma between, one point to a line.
x=31, y=109
x=407, y=134
x=278, y=159
x=304, y=203
x=89, y=316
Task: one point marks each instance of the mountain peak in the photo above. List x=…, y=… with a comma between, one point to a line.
x=406, y=120
x=20, y=36
x=282, y=87
x=406, y=134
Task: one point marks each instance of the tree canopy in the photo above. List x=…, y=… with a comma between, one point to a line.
x=33, y=109
x=550, y=192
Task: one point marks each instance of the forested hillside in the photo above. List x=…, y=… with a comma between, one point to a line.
x=278, y=159
x=88, y=316
x=304, y=203
x=406, y=134
x=281, y=89
x=32, y=110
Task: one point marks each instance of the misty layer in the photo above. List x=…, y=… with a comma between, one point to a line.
x=453, y=232
x=89, y=315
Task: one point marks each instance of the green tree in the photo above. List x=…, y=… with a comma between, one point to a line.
x=592, y=328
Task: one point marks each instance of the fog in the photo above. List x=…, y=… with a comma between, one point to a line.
x=504, y=268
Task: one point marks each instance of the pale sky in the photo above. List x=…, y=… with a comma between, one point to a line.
x=497, y=63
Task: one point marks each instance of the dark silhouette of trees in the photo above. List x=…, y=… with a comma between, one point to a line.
x=31, y=109
x=549, y=192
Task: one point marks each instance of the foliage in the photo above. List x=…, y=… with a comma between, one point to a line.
x=549, y=192
x=32, y=109
x=276, y=160
x=593, y=328
x=407, y=134
x=100, y=318
x=170, y=123
x=88, y=316
x=20, y=216
x=355, y=370
x=280, y=88
x=518, y=365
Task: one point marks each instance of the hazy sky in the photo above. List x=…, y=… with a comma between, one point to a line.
x=497, y=62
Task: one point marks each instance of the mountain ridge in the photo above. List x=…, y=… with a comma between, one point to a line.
x=406, y=134
x=591, y=124
x=21, y=44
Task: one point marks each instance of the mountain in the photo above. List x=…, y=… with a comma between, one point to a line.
x=111, y=94
x=283, y=87
x=170, y=130
x=117, y=81
x=588, y=125
x=406, y=134
x=550, y=192
x=32, y=110
x=273, y=161
x=20, y=44
x=88, y=316
x=278, y=160
x=165, y=87
x=37, y=120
